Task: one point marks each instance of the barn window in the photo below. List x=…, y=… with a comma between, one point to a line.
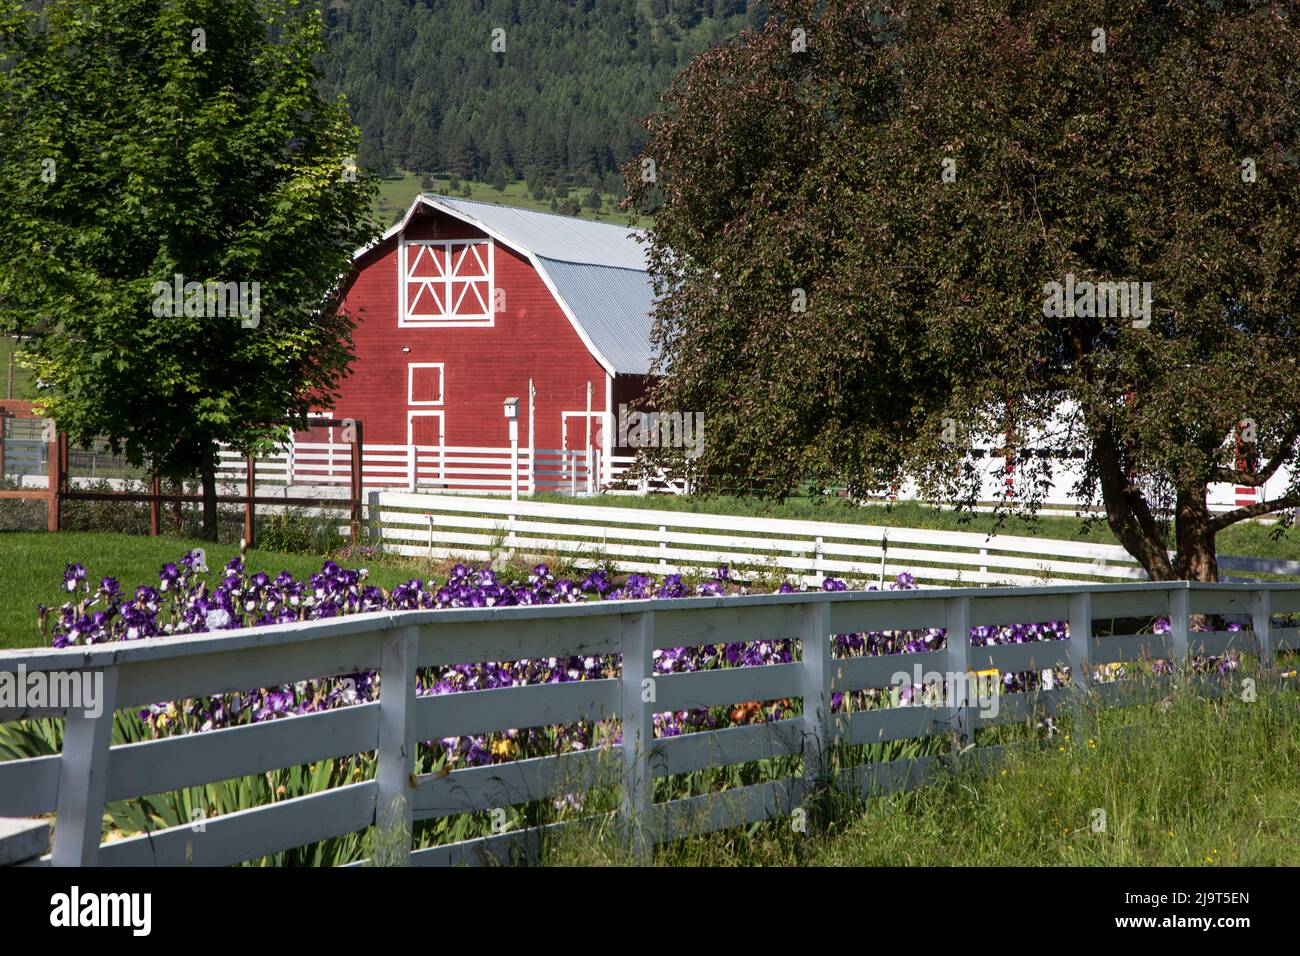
x=446, y=282
x=424, y=383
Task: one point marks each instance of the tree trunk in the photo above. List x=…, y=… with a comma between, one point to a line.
x=1128, y=514
x=1195, y=560
x=208, y=472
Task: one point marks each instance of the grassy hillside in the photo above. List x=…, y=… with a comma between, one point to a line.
x=398, y=190
x=23, y=382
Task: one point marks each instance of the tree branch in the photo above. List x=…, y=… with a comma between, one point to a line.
x=1252, y=511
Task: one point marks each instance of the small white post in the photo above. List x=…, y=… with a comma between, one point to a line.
x=663, y=546
x=1081, y=641
x=586, y=428
x=532, y=441
x=83, y=780
x=1261, y=618
x=410, y=468
x=514, y=461
x=957, y=627
x=429, y=517
x=395, y=751
x=815, y=643
x=984, y=568
x=819, y=565
x=290, y=461
x=637, y=697
x=1179, y=629
x=884, y=551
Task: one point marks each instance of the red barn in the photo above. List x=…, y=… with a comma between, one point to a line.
x=462, y=305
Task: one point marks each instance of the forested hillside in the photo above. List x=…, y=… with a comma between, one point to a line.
x=560, y=104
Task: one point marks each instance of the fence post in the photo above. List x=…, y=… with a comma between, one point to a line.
x=1179, y=627
x=395, y=750
x=1261, y=619
x=815, y=644
x=357, y=480
x=819, y=564
x=250, y=490
x=410, y=468
x=884, y=550
x=1080, y=649
x=375, y=519
x=984, y=568
x=155, y=505
x=54, y=517
x=83, y=779
x=1081, y=641
x=957, y=631
x=637, y=693
x=663, y=545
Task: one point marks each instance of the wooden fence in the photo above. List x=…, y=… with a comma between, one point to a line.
x=76, y=784
x=660, y=542
x=345, y=469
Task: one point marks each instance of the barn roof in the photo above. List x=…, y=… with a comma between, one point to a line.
x=596, y=271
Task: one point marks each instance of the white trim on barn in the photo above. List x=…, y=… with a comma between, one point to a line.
x=427, y=202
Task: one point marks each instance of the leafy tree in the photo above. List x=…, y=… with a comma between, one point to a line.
x=142, y=141
x=922, y=175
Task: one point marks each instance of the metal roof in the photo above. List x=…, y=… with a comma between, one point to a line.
x=596, y=270
x=613, y=306
x=556, y=237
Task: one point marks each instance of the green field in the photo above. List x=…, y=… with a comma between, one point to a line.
x=1250, y=539
x=1192, y=782
x=32, y=563
x=15, y=381
x=396, y=193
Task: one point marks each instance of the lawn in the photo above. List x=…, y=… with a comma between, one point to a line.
x=15, y=381
x=1249, y=539
x=1193, y=782
x=397, y=191
x=32, y=563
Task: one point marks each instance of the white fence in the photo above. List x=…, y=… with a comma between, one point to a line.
x=661, y=542
x=76, y=783
x=448, y=468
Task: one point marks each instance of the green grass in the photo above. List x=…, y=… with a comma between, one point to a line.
x=24, y=383
x=396, y=193
x=33, y=564
x=1193, y=783
x=1249, y=539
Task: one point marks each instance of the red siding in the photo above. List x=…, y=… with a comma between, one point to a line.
x=483, y=365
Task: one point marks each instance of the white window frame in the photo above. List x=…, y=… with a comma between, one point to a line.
x=410, y=382
x=411, y=416
x=448, y=245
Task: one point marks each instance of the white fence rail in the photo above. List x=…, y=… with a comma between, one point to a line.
x=76, y=783
x=637, y=539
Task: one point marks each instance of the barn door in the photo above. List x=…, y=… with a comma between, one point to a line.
x=424, y=432
x=582, y=438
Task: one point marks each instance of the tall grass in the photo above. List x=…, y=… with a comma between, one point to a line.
x=1186, y=781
